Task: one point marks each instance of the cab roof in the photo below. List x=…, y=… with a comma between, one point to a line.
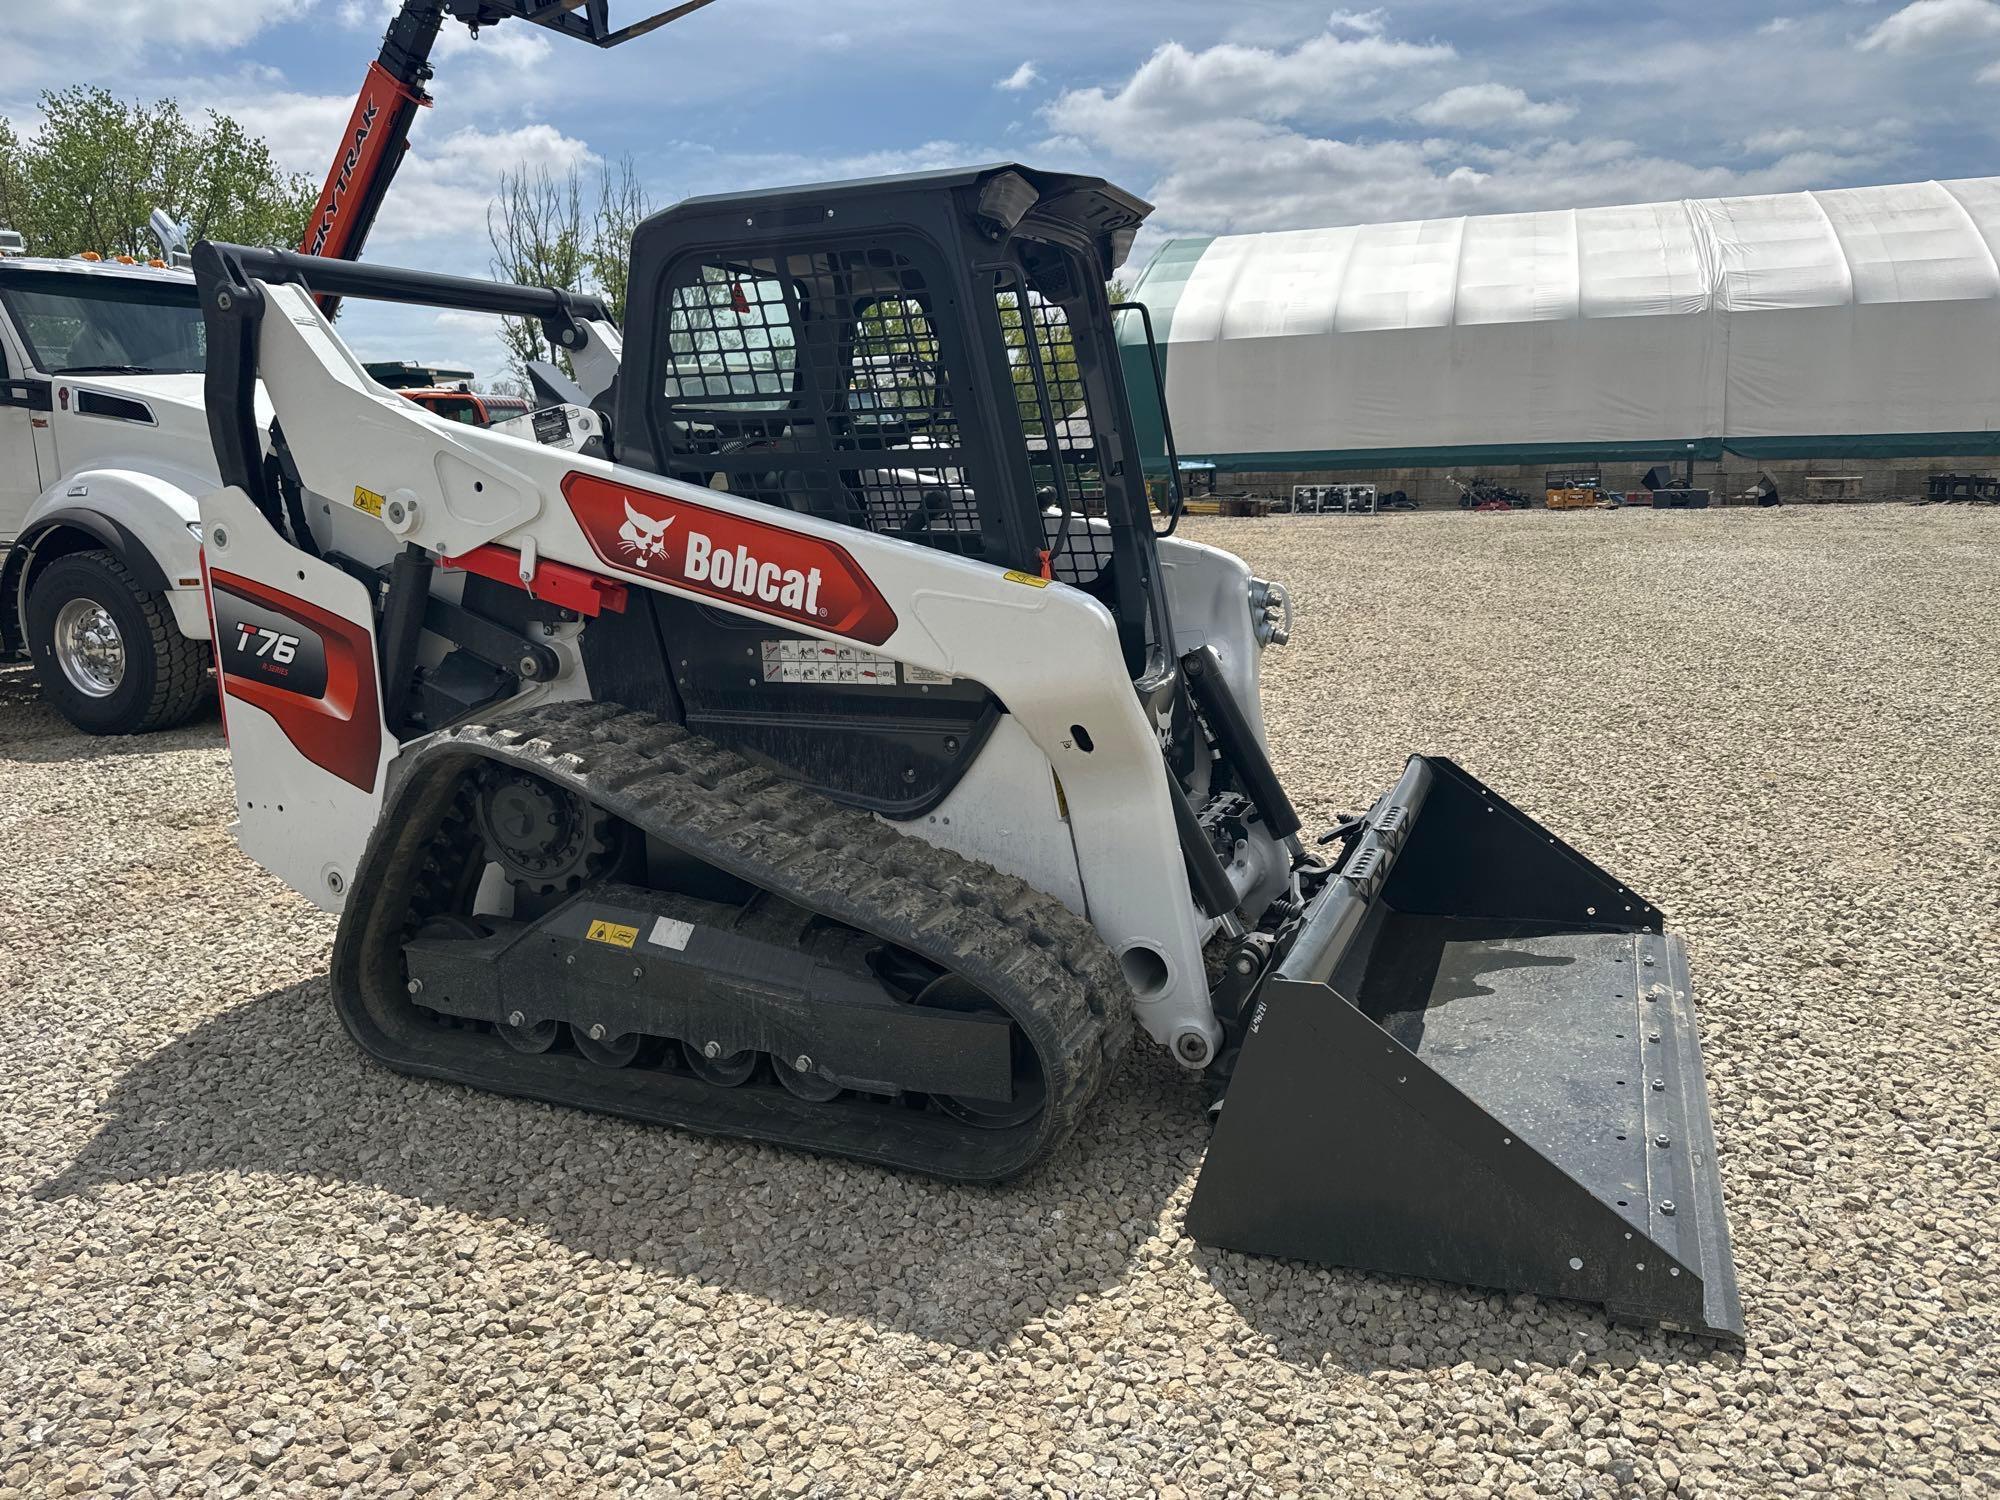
x=37, y=264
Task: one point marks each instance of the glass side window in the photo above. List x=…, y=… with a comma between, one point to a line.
x=730, y=341
x=106, y=325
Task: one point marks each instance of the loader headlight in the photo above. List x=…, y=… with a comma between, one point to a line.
x=1270, y=612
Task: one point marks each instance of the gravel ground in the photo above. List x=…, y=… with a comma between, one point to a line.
x=236, y=1257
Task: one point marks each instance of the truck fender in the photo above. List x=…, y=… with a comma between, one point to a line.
x=142, y=517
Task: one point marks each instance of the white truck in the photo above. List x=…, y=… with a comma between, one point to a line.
x=104, y=448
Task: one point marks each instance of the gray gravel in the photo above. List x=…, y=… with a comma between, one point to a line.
x=236, y=1257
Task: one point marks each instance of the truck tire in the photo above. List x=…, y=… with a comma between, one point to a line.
x=106, y=649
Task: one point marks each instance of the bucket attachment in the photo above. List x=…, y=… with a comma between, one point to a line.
x=1478, y=1063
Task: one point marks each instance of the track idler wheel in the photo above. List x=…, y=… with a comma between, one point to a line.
x=607, y=1051
x=1030, y=1088
x=801, y=1081
x=723, y=1069
x=536, y=1038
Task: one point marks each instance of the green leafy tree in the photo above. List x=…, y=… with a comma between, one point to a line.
x=91, y=175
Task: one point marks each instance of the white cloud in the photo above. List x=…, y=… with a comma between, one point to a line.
x=1777, y=26
x=1261, y=178
x=1932, y=25
x=104, y=41
x=129, y=26
x=1360, y=22
x=1021, y=78
x=1354, y=127
x=1491, y=106
x=445, y=184
x=1326, y=76
x=1879, y=137
x=1777, y=142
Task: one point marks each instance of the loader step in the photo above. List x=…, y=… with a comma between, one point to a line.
x=1003, y=950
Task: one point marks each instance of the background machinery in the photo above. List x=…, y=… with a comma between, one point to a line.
x=813, y=740
x=393, y=90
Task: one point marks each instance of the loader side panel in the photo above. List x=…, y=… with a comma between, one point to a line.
x=295, y=653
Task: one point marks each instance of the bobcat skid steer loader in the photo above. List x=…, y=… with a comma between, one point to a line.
x=813, y=740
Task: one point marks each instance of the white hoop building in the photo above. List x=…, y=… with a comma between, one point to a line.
x=1856, y=324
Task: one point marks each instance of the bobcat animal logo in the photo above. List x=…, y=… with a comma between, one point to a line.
x=642, y=537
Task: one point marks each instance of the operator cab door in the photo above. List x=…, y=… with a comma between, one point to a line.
x=23, y=403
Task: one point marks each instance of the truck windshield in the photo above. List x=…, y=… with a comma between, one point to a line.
x=85, y=324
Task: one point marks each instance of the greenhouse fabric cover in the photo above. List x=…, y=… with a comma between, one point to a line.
x=1863, y=320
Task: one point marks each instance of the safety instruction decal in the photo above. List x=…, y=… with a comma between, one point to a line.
x=367, y=500
x=617, y=934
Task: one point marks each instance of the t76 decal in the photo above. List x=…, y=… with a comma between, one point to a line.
x=309, y=669
x=729, y=557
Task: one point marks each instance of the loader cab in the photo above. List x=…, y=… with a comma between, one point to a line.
x=930, y=358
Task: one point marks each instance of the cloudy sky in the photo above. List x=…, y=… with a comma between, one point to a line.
x=1256, y=114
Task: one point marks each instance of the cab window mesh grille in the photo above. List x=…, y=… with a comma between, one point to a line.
x=815, y=381
x=1065, y=464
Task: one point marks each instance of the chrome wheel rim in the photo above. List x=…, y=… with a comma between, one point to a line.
x=89, y=648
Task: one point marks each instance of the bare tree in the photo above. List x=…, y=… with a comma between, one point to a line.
x=622, y=205
x=541, y=236
x=536, y=228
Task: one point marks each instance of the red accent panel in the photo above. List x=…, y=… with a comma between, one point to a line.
x=679, y=544
x=214, y=641
x=340, y=731
x=555, y=583
x=370, y=137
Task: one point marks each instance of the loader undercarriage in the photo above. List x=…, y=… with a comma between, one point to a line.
x=720, y=950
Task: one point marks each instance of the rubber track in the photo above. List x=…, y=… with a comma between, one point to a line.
x=1040, y=962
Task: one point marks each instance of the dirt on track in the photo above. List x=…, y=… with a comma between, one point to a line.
x=237, y=1257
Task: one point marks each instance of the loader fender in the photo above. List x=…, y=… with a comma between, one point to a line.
x=142, y=517
x=1208, y=591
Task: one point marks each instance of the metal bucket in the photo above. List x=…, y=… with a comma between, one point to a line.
x=1478, y=1063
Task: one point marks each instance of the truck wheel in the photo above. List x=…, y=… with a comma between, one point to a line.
x=106, y=649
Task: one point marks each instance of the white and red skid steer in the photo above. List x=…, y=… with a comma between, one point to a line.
x=812, y=735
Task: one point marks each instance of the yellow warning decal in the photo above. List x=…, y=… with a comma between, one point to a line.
x=615, y=933
x=1028, y=578
x=367, y=500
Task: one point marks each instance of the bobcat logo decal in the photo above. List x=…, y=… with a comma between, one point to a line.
x=740, y=560
x=643, y=538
